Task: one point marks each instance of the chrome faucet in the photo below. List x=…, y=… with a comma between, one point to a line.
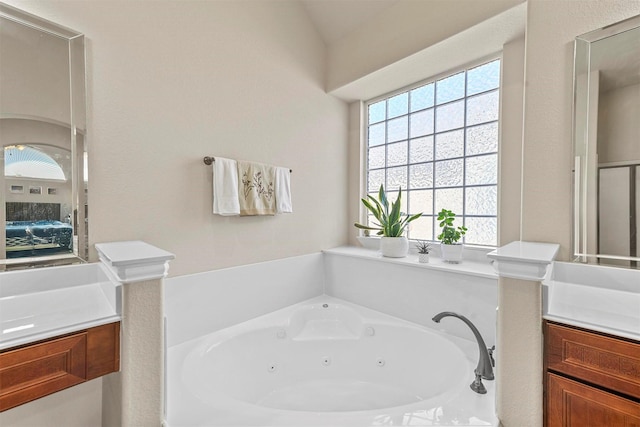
x=485, y=362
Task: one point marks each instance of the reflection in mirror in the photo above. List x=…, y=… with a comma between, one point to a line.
x=42, y=132
x=607, y=145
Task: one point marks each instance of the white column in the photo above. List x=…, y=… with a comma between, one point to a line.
x=134, y=396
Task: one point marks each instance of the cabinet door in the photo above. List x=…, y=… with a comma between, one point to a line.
x=572, y=404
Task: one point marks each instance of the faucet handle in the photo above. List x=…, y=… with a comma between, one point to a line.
x=490, y=350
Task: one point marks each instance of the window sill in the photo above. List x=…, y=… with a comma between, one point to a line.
x=470, y=267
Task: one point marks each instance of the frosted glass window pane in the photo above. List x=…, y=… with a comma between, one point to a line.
x=450, y=144
x=376, y=157
x=483, y=78
x=376, y=178
x=483, y=108
x=482, y=170
x=377, y=112
x=481, y=201
x=450, y=198
x=421, y=228
x=481, y=231
x=398, y=105
x=450, y=116
x=449, y=173
x=421, y=201
x=450, y=89
x=421, y=123
x=422, y=97
x=398, y=129
x=482, y=139
x=421, y=175
x=393, y=195
x=397, y=154
x=397, y=177
x=421, y=149
x=376, y=134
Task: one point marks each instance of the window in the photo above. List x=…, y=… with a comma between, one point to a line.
x=31, y=161
x=439, y=143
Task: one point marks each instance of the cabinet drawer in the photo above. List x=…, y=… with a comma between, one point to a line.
x=31, y=372
x=599, y=359
x=35, y=370
x=572, y=404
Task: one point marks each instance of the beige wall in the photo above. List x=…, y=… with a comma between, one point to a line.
x=547, y=182
x=171, y=82
x=180, y=80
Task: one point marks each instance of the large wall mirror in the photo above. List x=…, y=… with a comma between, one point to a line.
x=43, y=173
x=607, y=145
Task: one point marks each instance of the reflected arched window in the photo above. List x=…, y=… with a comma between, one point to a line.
x=26, y=161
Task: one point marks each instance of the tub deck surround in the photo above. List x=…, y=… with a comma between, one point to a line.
x=604, y=299
x=416, y=292
x=524, y=260
x=43, y=303
x=478, y=266
x=325, y=362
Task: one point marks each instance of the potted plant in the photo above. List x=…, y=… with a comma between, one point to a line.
x=391, y=223
x=423, y=251
x=449, y=237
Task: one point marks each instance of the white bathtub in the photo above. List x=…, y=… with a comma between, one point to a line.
x=325, y=362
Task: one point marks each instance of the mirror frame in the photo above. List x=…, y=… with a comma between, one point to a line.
x=585, y=182
x=77, y=129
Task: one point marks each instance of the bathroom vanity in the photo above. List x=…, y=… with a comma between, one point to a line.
x=591, y=379
x=59, y=327
x=35, y=370
x=591, y=346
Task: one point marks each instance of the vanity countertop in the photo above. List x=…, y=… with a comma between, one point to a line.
x=604, y=299
x=47, y=302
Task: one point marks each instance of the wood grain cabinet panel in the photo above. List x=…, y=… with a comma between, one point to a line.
x=35, y=370
x=599, y=359
x=591, y=379
x=573, y=404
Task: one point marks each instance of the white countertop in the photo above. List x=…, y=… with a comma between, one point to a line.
x=47, y=302
x=604, y=299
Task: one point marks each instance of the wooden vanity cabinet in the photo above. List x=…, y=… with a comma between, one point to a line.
x=591, y=379
x=37, y=369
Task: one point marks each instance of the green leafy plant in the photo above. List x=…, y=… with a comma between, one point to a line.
x=391, y=222
x=450, y=234
x=423, y=247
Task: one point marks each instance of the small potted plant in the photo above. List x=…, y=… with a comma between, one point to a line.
x=423, y=251
x=391, y=223
x=449, y=237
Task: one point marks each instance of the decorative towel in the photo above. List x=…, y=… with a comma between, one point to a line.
x=256, y=189
x=283, y=190
x=225, y=187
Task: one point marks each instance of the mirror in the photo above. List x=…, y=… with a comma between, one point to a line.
x=607, y=145
x=43, y=135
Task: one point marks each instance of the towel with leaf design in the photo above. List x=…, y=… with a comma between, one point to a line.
x=256, y=188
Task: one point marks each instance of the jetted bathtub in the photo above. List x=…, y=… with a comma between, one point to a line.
x=325, y=362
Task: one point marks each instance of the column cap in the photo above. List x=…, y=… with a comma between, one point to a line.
x=134, y=261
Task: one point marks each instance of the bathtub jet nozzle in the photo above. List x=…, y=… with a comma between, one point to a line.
x=485, y=362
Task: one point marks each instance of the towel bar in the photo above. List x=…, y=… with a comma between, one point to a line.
x=208, y=160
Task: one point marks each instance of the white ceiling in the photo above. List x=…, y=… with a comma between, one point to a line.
x=336, y=18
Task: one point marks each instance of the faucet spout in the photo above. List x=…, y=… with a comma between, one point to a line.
x=485, y=361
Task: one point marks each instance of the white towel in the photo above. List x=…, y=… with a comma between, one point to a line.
x=283, y=190
x=225, y=187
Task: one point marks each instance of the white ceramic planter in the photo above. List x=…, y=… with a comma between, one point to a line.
x=394, y=247
x=423, y=258
x=451, y=253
